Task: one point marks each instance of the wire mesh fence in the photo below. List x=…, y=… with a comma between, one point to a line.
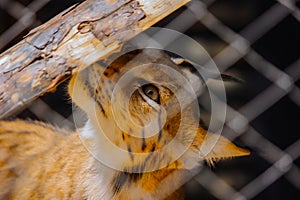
x=257, y=40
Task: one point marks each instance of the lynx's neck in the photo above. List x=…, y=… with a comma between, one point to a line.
x=103, y=182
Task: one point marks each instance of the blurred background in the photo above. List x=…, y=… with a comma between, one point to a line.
x=255, y=40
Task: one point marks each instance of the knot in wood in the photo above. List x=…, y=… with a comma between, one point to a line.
x=85, y=27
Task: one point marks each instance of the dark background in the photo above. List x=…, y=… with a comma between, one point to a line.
x=272, y=31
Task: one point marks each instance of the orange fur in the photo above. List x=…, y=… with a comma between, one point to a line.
x=39, y=161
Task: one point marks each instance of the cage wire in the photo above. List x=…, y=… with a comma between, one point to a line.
x=257, y=40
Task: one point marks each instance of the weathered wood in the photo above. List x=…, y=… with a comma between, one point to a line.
x=78, y=37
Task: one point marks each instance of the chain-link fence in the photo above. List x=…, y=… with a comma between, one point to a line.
x=258, y=41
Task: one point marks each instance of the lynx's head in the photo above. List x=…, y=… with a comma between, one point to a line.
x=144, y=113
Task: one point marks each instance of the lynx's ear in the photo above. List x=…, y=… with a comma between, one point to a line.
x=222, y=149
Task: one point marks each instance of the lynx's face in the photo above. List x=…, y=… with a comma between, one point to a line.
x=143, y=110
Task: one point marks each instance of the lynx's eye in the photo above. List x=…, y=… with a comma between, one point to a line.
x=151, y=92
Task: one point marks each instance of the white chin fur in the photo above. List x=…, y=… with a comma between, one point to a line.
x=87, y=131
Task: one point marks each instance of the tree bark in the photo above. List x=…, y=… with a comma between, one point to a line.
x=77, y=37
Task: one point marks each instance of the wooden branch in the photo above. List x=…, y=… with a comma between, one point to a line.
x=78, y=37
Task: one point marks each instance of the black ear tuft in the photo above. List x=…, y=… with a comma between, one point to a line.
x=227, y=77
x=191, y=66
